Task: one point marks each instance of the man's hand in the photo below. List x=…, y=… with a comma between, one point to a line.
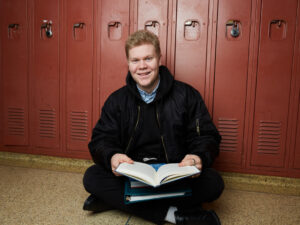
x=118, y=158
x=192, y=160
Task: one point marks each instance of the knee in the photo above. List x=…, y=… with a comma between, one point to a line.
x=89, y=177
x=211, y=183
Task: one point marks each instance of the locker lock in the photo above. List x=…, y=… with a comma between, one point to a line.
x=47, y=27
x=235, y=30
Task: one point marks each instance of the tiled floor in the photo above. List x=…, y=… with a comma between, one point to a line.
x=37, y=197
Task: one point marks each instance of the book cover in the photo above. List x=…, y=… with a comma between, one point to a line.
x=133, y=195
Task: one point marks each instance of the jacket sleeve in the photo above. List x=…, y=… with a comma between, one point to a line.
x=203, y=137
x=105, y=141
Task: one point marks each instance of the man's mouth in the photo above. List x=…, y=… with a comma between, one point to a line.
x=144, y=74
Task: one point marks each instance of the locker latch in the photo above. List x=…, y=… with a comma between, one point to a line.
x=78, y=34
x=191, y=30
x=12, y=27
x=78, y=25
x=114, y=30
x=235, y=30
x=278, y=22
x=47, y=27
x=153, y=26
x=277, y=30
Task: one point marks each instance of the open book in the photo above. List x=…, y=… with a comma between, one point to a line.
x=162, y=174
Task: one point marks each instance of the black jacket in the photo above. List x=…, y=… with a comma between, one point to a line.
x=184, y=122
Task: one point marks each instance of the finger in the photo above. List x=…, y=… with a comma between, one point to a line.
x=195, y=176
x=117, y=174
x=185, y=162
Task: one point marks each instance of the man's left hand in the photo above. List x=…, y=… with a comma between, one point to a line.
x=192, y=160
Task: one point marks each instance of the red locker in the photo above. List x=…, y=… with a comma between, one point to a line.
x=14, y=54
x=231, y=72
x=273, y=82
x=152, y=15
x=45, y=76
x=114, y=32
x=191, y=42
x=79, y=73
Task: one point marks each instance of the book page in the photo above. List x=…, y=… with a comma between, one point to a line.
x=138, y=171
x=173, y=171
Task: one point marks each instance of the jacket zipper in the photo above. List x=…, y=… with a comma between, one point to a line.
x=136, y=124
x=197, y=127
x=161, y=136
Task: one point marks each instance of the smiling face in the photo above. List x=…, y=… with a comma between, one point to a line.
x=143, y=63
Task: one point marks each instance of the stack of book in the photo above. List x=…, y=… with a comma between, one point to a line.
x=146, y=180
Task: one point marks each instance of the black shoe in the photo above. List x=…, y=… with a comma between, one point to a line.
x=94, y=204
x=197, y=217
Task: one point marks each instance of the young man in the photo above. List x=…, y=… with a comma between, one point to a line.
x=153, y=119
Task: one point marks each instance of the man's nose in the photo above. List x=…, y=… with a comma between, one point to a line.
x=143, y=64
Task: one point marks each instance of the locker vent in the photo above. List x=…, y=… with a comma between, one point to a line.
x=269, y=136
x=47, y=123
x=228, y=129
x=79, y=125
x=16, y=123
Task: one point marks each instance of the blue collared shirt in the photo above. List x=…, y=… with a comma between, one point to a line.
x=148, y=98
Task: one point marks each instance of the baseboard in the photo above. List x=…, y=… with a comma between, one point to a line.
x=237, y=181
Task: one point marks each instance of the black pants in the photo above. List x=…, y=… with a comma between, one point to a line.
x=110, y=189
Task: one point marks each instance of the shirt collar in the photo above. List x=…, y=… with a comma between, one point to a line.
x=148, y=97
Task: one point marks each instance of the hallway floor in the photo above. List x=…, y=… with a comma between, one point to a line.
x=37, y=197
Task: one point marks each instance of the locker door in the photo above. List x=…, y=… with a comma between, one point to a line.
x=45, y=74
x=79, y=78
x=114, y=33
x=14, y=71
x=273, y=84
x=231, y=77
x=191, y=42
x=153, y=16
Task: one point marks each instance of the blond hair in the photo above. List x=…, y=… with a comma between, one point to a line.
x=141, y=37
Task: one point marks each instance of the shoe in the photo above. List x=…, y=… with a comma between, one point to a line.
x=197, y=217
x=94, y=204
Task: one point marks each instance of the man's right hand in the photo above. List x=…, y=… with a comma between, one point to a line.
x=118, y=158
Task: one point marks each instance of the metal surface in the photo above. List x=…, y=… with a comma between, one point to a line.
x=14, y=72
x=79, y=73
x=231, y=74
x=45, y=76
x=191, y=43
x=273, y=84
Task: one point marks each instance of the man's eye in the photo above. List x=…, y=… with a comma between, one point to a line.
x=148, y=58
x=134, y=60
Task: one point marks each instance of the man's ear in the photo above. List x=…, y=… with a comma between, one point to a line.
x=159, y=62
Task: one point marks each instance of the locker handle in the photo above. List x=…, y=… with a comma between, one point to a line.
x=190, y=23
x=13, y=26
x=151, y=24
x=47, y=26
x=78, y=25
x=114, y=24
x=278, y=22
